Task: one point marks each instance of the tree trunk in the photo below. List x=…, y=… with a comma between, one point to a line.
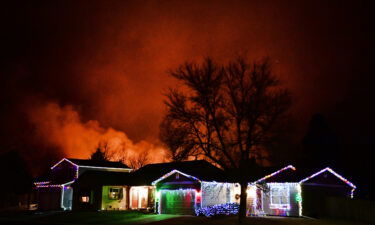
x=243, y=198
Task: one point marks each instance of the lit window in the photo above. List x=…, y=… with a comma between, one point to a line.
x=115, y=193
x=279, y=195
x=85, y=199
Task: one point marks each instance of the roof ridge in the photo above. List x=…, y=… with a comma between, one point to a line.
x=200, y=160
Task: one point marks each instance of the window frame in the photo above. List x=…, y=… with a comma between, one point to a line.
x=119, y=193
x=280, y=204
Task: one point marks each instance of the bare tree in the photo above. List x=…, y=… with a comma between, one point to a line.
x=227, y=114
x=138, y=161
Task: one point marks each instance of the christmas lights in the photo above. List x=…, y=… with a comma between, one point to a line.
x=64, y=159
x=214, y=193
x=49, y=186
x=220, y=209
x=299, y=199
x=275, y=173
x=171, y=173
x=197, y=194
x=334, y=173
x=41, y=183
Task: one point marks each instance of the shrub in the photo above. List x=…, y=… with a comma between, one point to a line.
x=220, y=209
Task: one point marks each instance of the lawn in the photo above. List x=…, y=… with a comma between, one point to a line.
x=80, y=218
x=134, y=217
x=252, y=221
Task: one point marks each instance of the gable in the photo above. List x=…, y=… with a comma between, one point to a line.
x=177, y=180
x=285, y=174
x=64, y=171
x=327, y=176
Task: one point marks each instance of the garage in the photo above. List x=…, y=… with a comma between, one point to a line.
x=177, y=202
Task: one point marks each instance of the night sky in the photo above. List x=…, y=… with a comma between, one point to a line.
x=74, y=73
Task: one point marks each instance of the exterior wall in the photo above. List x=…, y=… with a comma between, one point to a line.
x=235, y=193
x=94, y=194
x=63, y=172
x=49, y=198
x=294, y=206
x=114, y=204
x=214, y=193
x=315, y=196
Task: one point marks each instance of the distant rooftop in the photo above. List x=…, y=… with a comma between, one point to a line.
x=98, y=163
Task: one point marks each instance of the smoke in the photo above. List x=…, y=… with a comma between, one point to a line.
x=62, y=128
x=98, y=68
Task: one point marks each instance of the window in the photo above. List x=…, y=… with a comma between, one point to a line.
x=85, y=199
x=115, y=193
x=139, y=197
x=279, y=195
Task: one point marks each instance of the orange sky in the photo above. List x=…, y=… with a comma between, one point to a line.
x=96, y=69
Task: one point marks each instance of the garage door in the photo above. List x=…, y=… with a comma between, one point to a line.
x=177, y=202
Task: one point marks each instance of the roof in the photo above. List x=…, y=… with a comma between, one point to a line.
x=100, y=178
x=200, y=169
x=295, y=175
x=98, y=163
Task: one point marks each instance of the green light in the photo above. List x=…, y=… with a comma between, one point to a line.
x=298, y=197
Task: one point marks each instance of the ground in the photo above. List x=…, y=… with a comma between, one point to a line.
x=129, y=218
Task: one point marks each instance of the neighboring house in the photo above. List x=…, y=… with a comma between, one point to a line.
x=175, y=187
x=101, y=190
x=296, y=192
x=56, y=189
x=188, y=187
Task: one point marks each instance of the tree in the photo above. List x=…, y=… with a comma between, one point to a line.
x=321, y=145
x=99, y=154
x=225, y=113
x=139, y=160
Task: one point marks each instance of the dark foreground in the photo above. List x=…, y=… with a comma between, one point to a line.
x=129, y=218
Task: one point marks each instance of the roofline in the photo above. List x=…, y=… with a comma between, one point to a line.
x=172, y=172
x=337, y=175
x=103, y=167
x=274, y=173
x=334, y=173
x=63, y=159
x=97, y=167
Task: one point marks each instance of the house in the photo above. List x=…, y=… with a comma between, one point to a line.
x=188, y=187
x=177, y=187
x=58, y=188
x=296, y=192
x=101, y=190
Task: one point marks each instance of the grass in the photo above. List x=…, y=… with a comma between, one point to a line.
x=135, y=217
x=252, y=221
x=81, y=218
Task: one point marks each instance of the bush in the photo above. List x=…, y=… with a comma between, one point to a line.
x=221, y=209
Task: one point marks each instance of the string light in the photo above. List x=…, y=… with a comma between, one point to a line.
x=337, y=175
x=64, y=159
x=275, y=173
x=171, y=173
x=220, y=209
x=41, y=183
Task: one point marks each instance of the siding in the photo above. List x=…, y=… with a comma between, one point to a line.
x=294, y=210
x=216, y=193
